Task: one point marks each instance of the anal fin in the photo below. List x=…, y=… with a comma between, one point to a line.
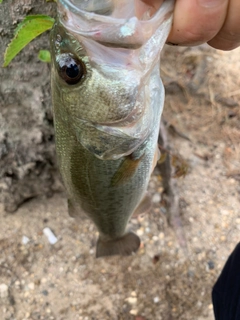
x=144, y=206
x=75, y=211
x=157, y=156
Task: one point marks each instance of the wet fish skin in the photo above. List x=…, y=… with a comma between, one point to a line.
x=102, y=132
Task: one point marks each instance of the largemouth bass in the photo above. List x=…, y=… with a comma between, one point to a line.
x=107, y=104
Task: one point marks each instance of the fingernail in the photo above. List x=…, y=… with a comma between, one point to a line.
x=210, y=3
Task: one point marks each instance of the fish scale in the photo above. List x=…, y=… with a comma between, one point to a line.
x=107, y=104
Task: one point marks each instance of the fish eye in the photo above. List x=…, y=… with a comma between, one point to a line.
x=71, y=69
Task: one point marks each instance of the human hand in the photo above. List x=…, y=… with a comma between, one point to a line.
x=216, y=22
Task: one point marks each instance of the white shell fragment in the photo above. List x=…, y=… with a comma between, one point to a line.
x=50, y=235
x=25, y=240
x=3, y=290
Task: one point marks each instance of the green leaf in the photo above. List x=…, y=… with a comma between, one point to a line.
x=29, y=29
x=44, y=55
x=32, y=17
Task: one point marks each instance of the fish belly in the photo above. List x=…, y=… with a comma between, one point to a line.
x=89, y=185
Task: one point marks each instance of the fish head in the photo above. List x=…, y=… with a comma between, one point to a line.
x=93, y=81
x=101, y=69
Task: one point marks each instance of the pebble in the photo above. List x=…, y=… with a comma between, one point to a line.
x=134, y=312
x=163, y=209
x=156, y=299
x=45, y=292
x=25, y=240
x=3, y=290
x=211, y=264
x=147, y=230
x=224, y=212
x=31, y=286
x=156, y=198
x=43, y=280
x=140, y=232
x=131, y=300
x=199, y=304
x=161, y=235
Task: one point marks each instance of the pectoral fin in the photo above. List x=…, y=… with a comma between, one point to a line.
x=126, y=170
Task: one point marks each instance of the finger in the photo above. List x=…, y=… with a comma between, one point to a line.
x=150, y=6
x=197, y=21
x=228, y=37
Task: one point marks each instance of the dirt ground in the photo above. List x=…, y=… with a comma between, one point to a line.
x=172, y=275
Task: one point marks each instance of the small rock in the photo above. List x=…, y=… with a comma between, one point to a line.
x=139, y=232
x=31, y=286
x=147, y=230
x=133, y=294
x=156, y=198
x=45, y=292
x=211, y=265
x=156, y=259
x=156, y=299
x=132, y=300
x=25, y=240
x=43, y=280
x=3, y=290
x=161, y=235
x=134, y=312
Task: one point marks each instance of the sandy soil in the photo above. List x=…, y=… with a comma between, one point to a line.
x=172, y=275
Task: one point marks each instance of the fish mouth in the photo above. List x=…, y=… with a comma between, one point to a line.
x=117, y=27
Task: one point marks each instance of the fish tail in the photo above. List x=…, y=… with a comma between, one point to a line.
x=124, y=246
